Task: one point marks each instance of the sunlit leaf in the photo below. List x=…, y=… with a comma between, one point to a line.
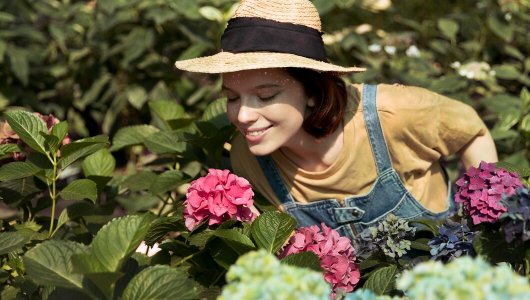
x=17, y=170
x=28, y=127
x=382, y=280
x=81, y=148
x=100, y=163
x=132, y=135
x=271, y=229
x=80, y=189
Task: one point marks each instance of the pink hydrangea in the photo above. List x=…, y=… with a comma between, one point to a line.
x=336, y=253
x=481, y=189
x=218, y=196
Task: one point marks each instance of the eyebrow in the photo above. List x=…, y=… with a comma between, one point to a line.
x=261, y=86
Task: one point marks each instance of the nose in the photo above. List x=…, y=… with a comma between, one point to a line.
x=247, y=113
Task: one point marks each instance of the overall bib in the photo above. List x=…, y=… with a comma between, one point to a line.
x=387, y=195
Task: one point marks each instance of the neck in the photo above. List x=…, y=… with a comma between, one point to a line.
x=312, y=154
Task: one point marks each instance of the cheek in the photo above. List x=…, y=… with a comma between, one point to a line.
x=231, y=111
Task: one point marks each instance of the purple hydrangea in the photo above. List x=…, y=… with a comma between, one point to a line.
x=515, y=223
x=481, y=189
x=455, y=239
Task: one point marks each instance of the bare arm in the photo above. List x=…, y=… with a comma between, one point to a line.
x=480, y=148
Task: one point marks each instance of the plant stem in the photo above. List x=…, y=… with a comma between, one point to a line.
x=53, y=195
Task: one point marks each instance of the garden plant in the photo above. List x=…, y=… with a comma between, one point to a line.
x=115, y=180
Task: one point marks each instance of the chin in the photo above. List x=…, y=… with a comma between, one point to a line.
x=260, y=150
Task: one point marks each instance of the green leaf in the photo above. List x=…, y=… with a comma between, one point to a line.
x=166, y=182
x=304, y=259
x=522, y=171
x=160, y=282
x=136, y=95
x=449, y=28
x=501, y=29
x=382, y=280
x=52, y=142
x=19, y=64
x=139, y=181
x=50, y=263
x=11, y=241
x=28, y=127
x=9, y=148
x=100, y=163
x=211, y=13
x=17, y=170
x=132, y=135
x=81, y=148
x=508, y=72
x=271, y=229
x=161, y=227
x=118, y=240
x=166, y=110
x=487, y=244
x=215, y=113
x=236, y=240
x=134, y=203
x=60, y=130
x=80, y=189
x=166, y=142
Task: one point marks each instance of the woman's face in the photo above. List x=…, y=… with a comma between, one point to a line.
x=267, y=106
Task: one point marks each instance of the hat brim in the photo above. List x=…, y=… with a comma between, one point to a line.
x=226, y=62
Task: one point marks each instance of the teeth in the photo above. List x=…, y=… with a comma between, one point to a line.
x=255, y=133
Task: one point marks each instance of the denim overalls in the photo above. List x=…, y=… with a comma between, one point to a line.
x=387, y=195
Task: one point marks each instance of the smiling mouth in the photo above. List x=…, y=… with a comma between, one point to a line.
x=255, y=133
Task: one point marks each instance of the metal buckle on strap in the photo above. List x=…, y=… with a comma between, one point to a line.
x=347, y=214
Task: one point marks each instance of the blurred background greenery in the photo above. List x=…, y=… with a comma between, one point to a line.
x=98, y=64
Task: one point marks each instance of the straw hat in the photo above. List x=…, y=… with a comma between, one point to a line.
x=269, y=34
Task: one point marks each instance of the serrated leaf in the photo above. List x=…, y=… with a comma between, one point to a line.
x=100, y=163
x=80, y=189
x=118, y=239
x=52, y=142
x=132, y=135
x=166, y=142
x=11, y=241
x=201, y=238
x=305, y=259
x=449, y=28
x=50, y=263
x=17, y=170
x=271, y=229
x=160, y=282
x=81, y=148
x=236, y=240
x=28, y=127
x=161, y=227
x=166, y=182
x=382, y=280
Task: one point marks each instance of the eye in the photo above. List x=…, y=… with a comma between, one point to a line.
x=267, y=97
x=231, y=99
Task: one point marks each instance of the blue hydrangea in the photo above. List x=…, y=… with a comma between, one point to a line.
x=454, y=240
x=463, y=278
x=515, y=223
x=260, y=275
x=365, y=294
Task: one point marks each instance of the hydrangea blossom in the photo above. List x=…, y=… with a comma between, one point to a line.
x=463, y=278
x=455, y=240
x=515, y=223
x=337, y=256
x=392, y=235
x=216, y=197
x=481, y=189
x=366, y=294
x=260, y=275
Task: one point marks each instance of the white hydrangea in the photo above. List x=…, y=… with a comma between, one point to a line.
x=463, y=278
x=474, y=70
x=260, y=275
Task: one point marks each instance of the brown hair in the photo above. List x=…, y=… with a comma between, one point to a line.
x=329, y=92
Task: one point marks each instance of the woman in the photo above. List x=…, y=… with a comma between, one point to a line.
x=325, y=151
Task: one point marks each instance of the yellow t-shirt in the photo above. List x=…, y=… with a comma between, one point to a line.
x=419, y=126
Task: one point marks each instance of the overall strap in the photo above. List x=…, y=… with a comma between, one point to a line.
x=373, y=127
x=275, y=180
